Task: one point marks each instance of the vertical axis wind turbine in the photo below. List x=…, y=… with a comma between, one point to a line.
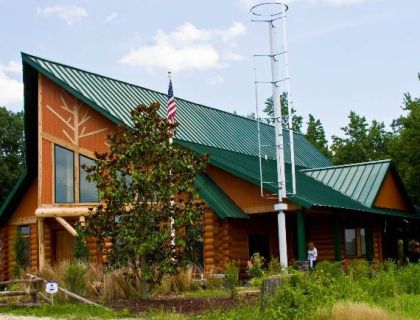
x=269, y=13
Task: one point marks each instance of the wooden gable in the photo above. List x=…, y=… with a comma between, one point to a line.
x=390, y=195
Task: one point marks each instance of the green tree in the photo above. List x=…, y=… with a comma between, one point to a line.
x=144, y=182
x=315, y=134
x=297, y=121
x=405, y=147
x=11, y=150
x=361, y=141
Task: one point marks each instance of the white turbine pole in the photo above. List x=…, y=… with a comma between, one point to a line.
x=289, y=101
x=281, y=179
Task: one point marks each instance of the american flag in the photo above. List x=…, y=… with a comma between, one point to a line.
x=171, y=103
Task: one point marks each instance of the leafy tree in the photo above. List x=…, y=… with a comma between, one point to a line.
x=11, y=150
x=361, y=141
x=405, y=148
x=144, y=182
x=315, y=134
x=81, y=251
x=297, y=121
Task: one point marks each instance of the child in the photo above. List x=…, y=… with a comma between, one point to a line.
x=312, y=255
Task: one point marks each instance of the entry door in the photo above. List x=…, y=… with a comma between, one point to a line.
x=261, y=244
x=63, y=246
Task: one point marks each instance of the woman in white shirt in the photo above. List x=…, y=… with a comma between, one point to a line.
x=312, y=255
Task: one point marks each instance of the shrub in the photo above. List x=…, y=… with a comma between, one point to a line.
x=230, y=281
x=181, y=282
x=254, y=268
x=21, y=257
x=359, y=269
x=274, y=266
x=74, y=277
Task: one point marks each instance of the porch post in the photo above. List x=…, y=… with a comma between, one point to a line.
x=337, y=237
x=301, y=235
x=41, y=243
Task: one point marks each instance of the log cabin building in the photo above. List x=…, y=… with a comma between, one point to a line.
x=354, y=211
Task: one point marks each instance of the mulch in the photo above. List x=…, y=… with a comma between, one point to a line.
x=182, y=304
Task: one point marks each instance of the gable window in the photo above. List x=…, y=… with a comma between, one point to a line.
x=88, y=190
x=64, y=175
x=355, y=242
x=24, y=231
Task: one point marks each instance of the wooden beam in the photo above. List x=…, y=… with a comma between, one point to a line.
x=54, y=212
x=41, y=244
x=67, y=226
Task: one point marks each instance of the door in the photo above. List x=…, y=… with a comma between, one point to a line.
x=63, y=246
x=261, y=244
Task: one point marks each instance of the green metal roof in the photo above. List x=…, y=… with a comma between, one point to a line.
x=310, y=192
x=217, y=199
x=360, y=181
x=198, y=123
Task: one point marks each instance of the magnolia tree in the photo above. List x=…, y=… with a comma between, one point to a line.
x=146, y=190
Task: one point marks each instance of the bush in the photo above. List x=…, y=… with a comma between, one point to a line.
x=230, y=281
x=74, y=277
x=274, y=266
x=80, y=248
x=254, y=268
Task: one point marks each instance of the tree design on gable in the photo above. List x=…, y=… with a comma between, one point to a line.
x=76, y=123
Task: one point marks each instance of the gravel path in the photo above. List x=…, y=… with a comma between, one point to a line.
x=12, y=317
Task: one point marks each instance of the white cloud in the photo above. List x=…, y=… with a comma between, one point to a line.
x=187, y=48
x=11, y=90
x=69, y=13
x=232, y=56
x=111, y=16
x=216, y=80
x=247, y=4
x=12, y=66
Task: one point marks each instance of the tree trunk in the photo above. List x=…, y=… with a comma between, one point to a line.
x=271, y=284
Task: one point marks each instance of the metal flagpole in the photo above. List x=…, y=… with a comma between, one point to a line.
x=171, y=140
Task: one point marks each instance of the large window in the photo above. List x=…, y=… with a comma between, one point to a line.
x=64, y=175
x=355, y=242
x=23, y=251
x=88, y=190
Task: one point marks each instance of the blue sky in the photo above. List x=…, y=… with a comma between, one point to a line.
x=345, y=55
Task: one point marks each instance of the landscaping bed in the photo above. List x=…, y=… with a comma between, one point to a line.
x=185, y=305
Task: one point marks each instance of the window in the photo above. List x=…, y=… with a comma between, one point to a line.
x=64, y=175
x=259, y=243
x=88, y=190
x=23, y=248
x=355, y=242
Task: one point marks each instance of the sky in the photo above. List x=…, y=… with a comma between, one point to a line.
x=360, y=55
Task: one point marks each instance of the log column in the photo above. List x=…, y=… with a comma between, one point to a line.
x=337, y=237
x=301, y=235
x=209, y=254
x=41, y=243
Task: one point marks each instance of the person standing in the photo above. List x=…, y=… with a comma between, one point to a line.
x=312, y=255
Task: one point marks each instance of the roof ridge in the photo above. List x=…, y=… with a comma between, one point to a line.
x=24, y=54
x=348, y=165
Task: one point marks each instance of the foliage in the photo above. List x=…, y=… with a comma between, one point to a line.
x=405, y=148
x=181, y=282
x=254, y=267
x=361, y=142
x=230, y=281
x=315, y=134
x=80, y=248
x=21, y=255
x=144, y=184
x=73, y=279
x=274, y=266
x=11, y=150
x=297, y=121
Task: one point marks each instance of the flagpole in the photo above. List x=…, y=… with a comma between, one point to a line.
x=171, y=140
